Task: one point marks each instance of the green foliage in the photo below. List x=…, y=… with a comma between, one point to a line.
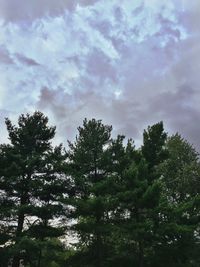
x=91, y=170
x=31, y=180
x=181, y=171
x=181, y=187
x=124, y=206
x=153, y=149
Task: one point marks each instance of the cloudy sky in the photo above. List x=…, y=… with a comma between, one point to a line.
x=130, y=63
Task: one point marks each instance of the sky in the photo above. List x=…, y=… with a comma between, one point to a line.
x=131, y=63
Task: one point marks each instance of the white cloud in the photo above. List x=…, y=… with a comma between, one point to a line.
x=100, y=59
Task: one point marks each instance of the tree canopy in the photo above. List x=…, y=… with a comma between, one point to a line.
x=99, y=202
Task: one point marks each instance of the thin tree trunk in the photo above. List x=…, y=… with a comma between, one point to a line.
x=141, y=255
x=20, y=224
x=39, y=258
x=140, y=243
x=99, y=252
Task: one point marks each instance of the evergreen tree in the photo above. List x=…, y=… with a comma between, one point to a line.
x=138, y=202
x=29, y=178
x=153, y=149
x=5, y=217
x=92, y=162
x=128, y=207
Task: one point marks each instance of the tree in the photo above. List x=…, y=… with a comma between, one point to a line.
x=153, y=149
x=181, y=171
x=5, y=217
x=92, y=164
x=139, y=199
x=129, y=207
x=29, y=178
x=139, y=204
x=181, y=183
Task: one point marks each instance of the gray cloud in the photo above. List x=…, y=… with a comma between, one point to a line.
x=130, y=66
x=4, y=113
x=69, y=110
x=25, y=60
x=100, y=65
x=24, y=11
x=177, y=110
x=5, y=56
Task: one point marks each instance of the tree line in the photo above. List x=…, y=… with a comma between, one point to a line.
x=101, y=202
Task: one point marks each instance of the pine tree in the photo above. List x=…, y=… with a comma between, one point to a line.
x=153, y=149
x=29, y=178
x=92, y=164
x=5, y=217
x=139, y=200
x=129, y=207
